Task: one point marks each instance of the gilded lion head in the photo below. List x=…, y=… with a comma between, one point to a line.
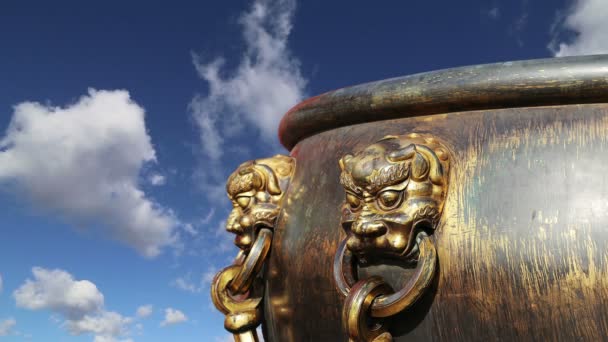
x=256, y=190
x=394, y=188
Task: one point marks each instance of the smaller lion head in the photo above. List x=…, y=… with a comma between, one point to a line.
x=393, y=187
x=256, y=190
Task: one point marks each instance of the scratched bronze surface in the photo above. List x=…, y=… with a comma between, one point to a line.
x=522, y=243
x=523, y=246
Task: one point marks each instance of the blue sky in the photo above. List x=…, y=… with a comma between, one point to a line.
x=120, y=121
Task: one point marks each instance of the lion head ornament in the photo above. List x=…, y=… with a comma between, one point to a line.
x=394, y=188
x=256, y=190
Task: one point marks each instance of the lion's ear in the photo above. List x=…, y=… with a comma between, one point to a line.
x=433, y=166
x=402, y=153
x=344, y=160
x=419, y=167
x=272, y=183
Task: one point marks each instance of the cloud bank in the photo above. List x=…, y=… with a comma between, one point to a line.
x=587, y=22
x=251, y=99
x=78, y=301
x=83, y=162
x=263, y=87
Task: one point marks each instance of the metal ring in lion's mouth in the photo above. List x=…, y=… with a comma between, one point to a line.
x=388, y=305
x=253, y=263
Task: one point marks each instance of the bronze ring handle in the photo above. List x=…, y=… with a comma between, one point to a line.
x=253, y=262
x=388, y=305
x=356, y=308
x=221, y=297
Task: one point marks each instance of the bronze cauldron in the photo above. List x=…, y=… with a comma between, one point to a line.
x=467, y=204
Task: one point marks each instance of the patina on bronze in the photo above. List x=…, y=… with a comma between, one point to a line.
x=256, y=190
x=521, y=245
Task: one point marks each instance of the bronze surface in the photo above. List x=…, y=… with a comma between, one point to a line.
x=394, y=194
x=256, y=189
x=394, y=188
x=522, y=244
x=540, y=82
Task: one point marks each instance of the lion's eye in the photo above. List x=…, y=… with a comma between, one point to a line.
x=389, y=199
x=243, y=201
x=353, y=201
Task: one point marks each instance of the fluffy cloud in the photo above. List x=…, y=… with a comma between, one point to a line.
x=265, y=85
x=6, y=326
x=78, y=301
x=144, y=311
x=83, y=162
x=173, y=316
x=106, y=325
x=56, y=290
x=588, y=20
x=254, y=96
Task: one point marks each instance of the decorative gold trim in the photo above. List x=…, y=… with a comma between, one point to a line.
x=256, y=190
x=395, y=192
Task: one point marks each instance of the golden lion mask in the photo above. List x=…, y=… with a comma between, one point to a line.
x=394, y=188
x=256, y=190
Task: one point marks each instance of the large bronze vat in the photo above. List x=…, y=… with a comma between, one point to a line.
x=485, y=211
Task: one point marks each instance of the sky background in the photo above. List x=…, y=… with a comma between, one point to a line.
x=121, y=120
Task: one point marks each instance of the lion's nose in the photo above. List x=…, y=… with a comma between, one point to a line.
x=369, y=229
x=234, y=227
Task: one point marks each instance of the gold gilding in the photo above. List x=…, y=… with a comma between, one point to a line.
x=256, y=190
x=395, y=192
x=394, y=187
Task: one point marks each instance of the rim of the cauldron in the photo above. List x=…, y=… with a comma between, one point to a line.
x=528, y=83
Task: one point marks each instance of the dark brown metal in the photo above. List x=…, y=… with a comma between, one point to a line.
x=523, y=248
x=345, y=276
x=541, y=82
x=522, y=244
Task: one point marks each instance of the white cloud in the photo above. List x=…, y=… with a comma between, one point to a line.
x=83, y=162
x=78, y=301
x=207, y=219
x=189, y=228
x=157, y=179
x=6, y=326
x=252, y=98
x=265, y=85
x=173, y=316
x=588, y=20
x=57, y=291
x=185, y=283
x=144, y=311
x=106, y=326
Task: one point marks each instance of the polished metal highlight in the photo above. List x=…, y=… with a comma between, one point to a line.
x=395, y=192
x=256, y=190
